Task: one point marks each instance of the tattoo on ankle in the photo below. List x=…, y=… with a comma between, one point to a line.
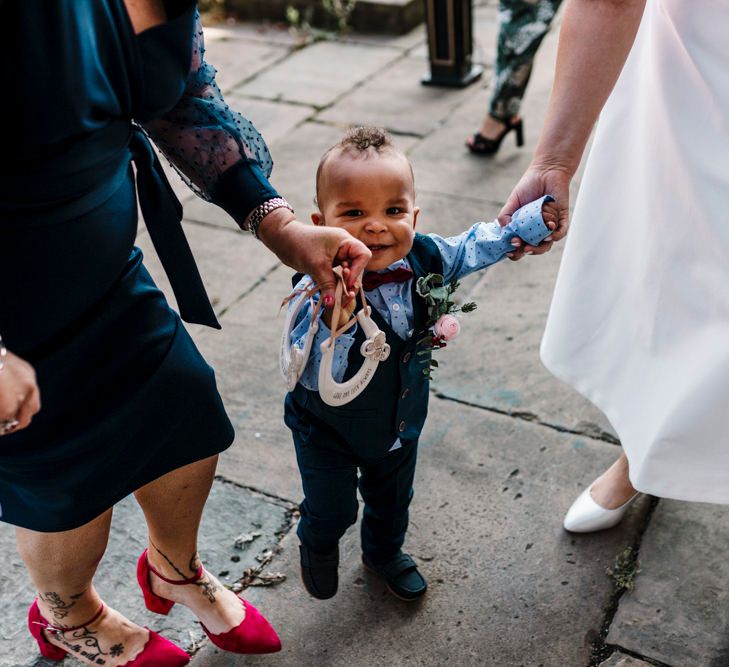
x=207, y=585
x=195, y=563
x=57, y=605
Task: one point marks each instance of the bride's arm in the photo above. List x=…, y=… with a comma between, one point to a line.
x=595, y=39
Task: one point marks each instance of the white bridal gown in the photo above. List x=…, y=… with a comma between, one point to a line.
x=639, y=321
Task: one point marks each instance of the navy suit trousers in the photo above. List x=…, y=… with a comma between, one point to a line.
x=329, y=474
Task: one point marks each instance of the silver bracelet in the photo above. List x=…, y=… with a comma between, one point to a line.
x=256, y=217
x=3, y=353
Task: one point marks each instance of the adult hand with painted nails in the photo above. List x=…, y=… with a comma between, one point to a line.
x=315, y=250
x=19, y=394
x=536, y=182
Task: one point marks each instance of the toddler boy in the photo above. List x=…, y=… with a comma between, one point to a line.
x=365, y=185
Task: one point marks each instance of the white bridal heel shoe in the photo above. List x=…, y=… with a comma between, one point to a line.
x=586, y=516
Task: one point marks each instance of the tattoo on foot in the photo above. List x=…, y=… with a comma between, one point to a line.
x=116, y=650
x=87, y=646
x=58, y=606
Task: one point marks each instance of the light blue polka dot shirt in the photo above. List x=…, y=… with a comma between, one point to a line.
x=485, y=243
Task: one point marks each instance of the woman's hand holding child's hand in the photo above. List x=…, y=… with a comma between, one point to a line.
x=550, y=215
x=536, y=182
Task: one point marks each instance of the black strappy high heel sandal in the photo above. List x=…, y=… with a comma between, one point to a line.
x=480, y=145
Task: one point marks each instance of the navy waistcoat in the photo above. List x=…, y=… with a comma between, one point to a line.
x=395, y=403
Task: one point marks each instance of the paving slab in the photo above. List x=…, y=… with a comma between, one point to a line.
x=495, y=360
x=618, y=659
x=274, y=120
x=678, y=612
x=238, y=59
x=230, y=511
x=445, y=165
x=230, y=261
x=449, y=215
x=245, y=357
x=493, y=177
x=390, y=97
x=505, y=580
x=320, y=73
x=407, y=42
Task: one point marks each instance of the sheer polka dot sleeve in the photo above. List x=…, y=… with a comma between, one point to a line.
x=217, y=151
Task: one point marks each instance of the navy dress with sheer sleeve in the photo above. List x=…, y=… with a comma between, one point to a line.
x=126, y=396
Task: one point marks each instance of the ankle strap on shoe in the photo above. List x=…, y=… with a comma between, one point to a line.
x=175, y=582
x=59, y=629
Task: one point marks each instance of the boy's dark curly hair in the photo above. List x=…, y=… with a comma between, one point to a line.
x=362, y=138
x=358, y=140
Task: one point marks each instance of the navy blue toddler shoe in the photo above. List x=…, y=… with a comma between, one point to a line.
x=320, y=572
x=401, y=576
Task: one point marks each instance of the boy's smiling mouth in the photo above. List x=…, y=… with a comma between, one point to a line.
x=376, y=248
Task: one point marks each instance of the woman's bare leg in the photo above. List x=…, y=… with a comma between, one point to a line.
x=62, y=566
x=613, y=488
x=173, y=506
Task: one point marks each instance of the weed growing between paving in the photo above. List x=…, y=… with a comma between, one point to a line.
x=625, y=568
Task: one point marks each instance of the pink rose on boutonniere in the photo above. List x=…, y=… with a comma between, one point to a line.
x=441, y=325
x=447, y=327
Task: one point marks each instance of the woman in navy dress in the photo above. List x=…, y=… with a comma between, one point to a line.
x=128, y=403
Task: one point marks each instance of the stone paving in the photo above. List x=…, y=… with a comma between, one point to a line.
x=506, y=447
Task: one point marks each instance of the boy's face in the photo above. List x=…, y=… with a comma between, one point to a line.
x=372, y=196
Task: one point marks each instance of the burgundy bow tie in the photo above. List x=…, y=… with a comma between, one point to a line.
x=372, y=280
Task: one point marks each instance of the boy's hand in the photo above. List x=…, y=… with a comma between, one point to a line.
x=550, y=214
x=344, y=314
x=342, y=273
x=536, y=182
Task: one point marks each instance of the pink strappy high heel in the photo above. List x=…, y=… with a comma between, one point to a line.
x=253, y=635
x=157, y=652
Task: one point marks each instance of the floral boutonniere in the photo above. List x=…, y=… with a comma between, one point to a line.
x=442, y=325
